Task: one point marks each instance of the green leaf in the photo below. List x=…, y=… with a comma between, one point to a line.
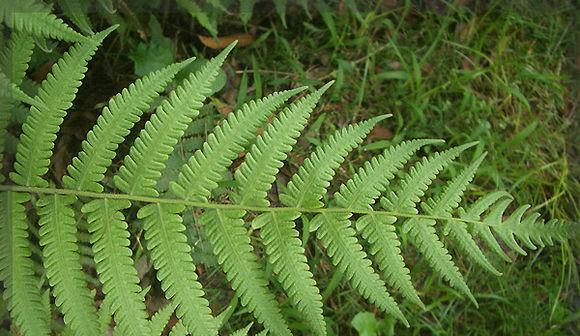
x=146, y=160
x=21, y=292
x=112, y=254
x=54, y=98
x=154, y=55
x=58, y=238
x=88, y=168
x=171, y=256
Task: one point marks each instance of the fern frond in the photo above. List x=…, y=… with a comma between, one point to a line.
x=34, y=17
x=339, y=240
x=458, y=231
x=76, y=11
x=58, y=238
x=159, y=320
x=16, y=56
x=529, y=229
x=208, y=165
x=371, y=180
x=420, y=176
x=11, y=92
x=142, y=167
x=178, y=330
x=307, y=187
x=495, y=216
x=361, y=191
x=54, y=97
x=379, y=232
x=171, y=256
x=309, y=184
x=231, y=243
x=448, y=200
x=113, y=125
x=110, y=243
x=242, y=332
x=424, y=237
x=286, y=254
x=258, y=172
x=22, y=290
x=254, y=178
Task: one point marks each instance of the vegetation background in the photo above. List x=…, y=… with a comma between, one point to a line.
x=503, y=73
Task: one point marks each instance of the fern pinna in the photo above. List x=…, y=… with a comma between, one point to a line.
x=360, y=227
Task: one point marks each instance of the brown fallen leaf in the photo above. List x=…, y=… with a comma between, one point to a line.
x=244, y=39
x=380, y=133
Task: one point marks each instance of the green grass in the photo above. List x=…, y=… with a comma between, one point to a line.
x=503, y=74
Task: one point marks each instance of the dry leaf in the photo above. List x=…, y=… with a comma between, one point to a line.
x=244, y=39
x=380, y=133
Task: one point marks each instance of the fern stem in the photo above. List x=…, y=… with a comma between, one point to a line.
x=207, y=205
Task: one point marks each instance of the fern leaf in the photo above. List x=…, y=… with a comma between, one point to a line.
x=11, y=92
x=160, y=319
x=459, y=232
x=286, y=254
x=379, y=232
x=123, y=111
x=246, y=10
x=58, y=237
x=339, y=240
x=495, y=217
x=258, y=172
x=76, y=11
x=178, y=330
x=256, y=175
x=142, y=167
x=16, y=57
x=372, y=179
x=416, y=182
x=361, y=191
x=208, y=165
x=424, y=237
x=254, y=178
x=242, y=332
x=484, y=203
x=21, y=286
x=423, y=234
x=283, y=247
x=231, y=243
x=309, y=184
x=506, y=230
x=171, y=256
x=110, y=243
x=449, y=199
x=35, y=18
x=54, y=97
x=529, y=229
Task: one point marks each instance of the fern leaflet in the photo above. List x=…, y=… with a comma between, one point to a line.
x=58, y=237
x=171, y=256
x=22, y=291
x=54, y=97
x=110, y=243
x=35, y=18
x=114, y=124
